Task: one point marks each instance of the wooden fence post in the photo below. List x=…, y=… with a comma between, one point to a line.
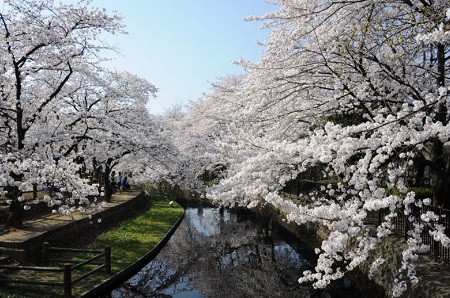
x=45, y=252
x=68, y=280
x=34, y=191
x=108, y=259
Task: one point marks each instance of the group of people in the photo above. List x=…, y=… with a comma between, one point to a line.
x=119, y=183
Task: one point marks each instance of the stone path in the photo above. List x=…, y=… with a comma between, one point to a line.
x=16, y=242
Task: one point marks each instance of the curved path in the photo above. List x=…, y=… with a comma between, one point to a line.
x=21, y=243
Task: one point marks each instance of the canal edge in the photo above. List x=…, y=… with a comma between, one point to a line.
x=122, y=276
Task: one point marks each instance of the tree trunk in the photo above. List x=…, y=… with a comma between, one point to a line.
x=441, y=192
x=440, y=176
x=420, y=173
x=440, y=159
x=107, y=185
x=107, y=181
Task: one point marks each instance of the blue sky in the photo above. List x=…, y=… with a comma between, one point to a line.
x=181, y=46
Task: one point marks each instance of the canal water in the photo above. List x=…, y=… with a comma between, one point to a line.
x=217, y=253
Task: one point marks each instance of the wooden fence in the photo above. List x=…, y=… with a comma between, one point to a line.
x=67, y=278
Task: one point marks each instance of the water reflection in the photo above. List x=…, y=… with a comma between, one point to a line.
x=217, y=253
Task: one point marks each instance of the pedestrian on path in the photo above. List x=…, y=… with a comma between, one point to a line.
x=119, y=182
x=124, y=183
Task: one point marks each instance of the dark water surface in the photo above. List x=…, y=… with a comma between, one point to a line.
x=222, y=254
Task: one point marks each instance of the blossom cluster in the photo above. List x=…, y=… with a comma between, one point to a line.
x=345, y=96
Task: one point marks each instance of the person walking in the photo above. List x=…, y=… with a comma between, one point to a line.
x=124, y=183
x=119, y=182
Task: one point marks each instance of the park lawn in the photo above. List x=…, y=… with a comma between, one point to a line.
x=135, y=237
x=129, y=241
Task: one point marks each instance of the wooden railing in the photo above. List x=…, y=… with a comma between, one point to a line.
x=67, y=278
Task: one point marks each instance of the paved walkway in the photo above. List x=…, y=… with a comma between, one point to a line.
x=37, y=228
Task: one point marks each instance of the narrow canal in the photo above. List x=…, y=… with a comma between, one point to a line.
x=223, y=254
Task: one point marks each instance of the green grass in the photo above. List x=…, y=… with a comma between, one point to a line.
x=129, y=241
x=141, y=234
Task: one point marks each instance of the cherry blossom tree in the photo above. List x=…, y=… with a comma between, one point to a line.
x=359, y=90
x=102, y=119
x=43, y=47
x=201, y=127
x=145, y=148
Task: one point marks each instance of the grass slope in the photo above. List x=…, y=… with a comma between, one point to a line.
x=129, y=241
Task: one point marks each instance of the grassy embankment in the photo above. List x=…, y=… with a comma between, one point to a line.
x=129, y=241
